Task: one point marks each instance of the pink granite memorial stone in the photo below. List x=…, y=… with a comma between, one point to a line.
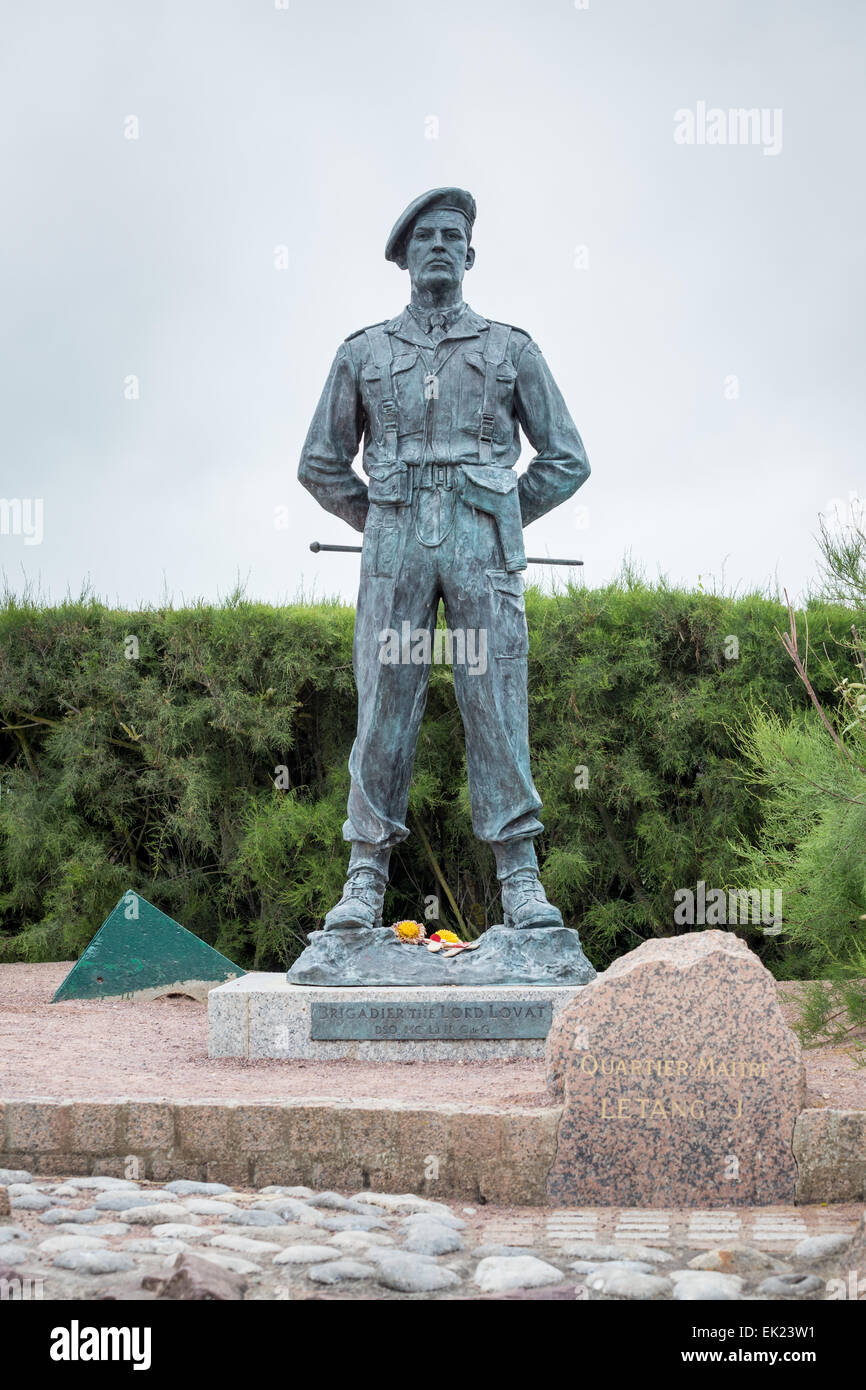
x=680, y=1081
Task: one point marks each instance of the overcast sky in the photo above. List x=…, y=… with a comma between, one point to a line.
x=701, y=305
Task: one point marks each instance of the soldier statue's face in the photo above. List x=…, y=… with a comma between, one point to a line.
x=438, y=253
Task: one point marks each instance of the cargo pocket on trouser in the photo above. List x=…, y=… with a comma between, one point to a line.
x=380, y=550
x=508, y=636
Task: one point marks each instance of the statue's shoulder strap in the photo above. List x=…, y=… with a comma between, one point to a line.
x=495, y=350
x=381, y=353
x=497, y=342
x=380, y=346
x=359, y=332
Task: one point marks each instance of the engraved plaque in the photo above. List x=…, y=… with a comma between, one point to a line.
x=404, y=1020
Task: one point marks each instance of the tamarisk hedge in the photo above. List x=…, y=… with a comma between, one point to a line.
x=198, y=756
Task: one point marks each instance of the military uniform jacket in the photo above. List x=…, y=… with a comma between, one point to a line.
x=462, y=402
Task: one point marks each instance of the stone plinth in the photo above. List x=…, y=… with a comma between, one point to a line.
x=260, y=1015
x=680, y=1079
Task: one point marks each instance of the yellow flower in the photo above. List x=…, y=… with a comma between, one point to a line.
x=447, y=936
x=409, y=931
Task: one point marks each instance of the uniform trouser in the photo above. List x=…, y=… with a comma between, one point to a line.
x=402, y=581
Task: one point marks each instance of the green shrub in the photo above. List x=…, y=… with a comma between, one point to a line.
x=809, y=772
x=158, y=773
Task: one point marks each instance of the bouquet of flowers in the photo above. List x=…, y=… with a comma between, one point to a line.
x=448, y=942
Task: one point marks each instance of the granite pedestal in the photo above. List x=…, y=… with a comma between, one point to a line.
x=260, y=1015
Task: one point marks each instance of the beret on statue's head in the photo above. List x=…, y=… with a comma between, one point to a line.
x=454, y=199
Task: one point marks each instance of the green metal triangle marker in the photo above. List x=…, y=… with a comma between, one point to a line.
x=140, y=953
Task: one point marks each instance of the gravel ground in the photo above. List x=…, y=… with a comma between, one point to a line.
x=98, y=1238
x=99, y=1049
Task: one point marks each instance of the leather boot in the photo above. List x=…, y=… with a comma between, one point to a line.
x=361, y=903
x=364, y=890
x=524, y=901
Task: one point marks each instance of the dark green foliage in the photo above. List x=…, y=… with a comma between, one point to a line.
x=834, y=1011
x=810, y=773
x=812, y=842
x=158, y=774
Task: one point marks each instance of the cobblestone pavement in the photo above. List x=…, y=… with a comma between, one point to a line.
x=102, y=1237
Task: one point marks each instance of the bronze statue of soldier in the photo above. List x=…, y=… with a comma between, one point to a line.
x=438, y=396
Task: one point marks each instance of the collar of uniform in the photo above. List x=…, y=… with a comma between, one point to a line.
x=469, y=325
x=405, y=326
x=450, y=316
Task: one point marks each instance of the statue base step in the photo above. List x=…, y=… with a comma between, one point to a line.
x=375, y=957
x=261, y=1015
